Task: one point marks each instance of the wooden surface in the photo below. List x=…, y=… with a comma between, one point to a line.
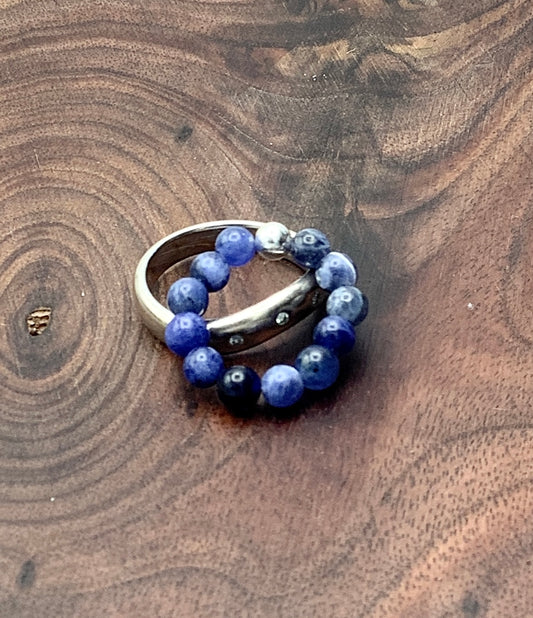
x=403, y=128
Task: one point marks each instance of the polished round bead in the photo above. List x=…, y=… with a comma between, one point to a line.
x=187, y=294
x=349, y=303
x=282, y=386
x=318, y=367
x=203, y=367
x=309, y=247
x=336, y=269
x=211, y=269
x=236, y=245
x=239, y=388
x=335, y=334
x=185, y=332
x=271, y=240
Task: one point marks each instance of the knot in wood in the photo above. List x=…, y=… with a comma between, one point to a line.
x=38, y=320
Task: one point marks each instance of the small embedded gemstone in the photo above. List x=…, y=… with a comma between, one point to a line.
x=335, y=334
x=211, y=269
x=187, y=294
x=349, y=303
x=203, y=367
x=336, y=270
x=236, y=340
x=236, y=245
x=318, y=367
x=185, y=332
x=282, y=318
x=282, y=386
x=309, y=247
x=239, y=388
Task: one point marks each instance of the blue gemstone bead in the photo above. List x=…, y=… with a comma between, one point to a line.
x=282, y=386
x=211, y=269
x=318, y=367
x=335, y=270
x=348, y=303
x=203, y=367
x=185, y=332
x=187, y=294
x=239, y=388
x=335, y=334
x=236, y=245
x=309, y=247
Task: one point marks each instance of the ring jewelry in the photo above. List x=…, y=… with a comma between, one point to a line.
x=328, y=279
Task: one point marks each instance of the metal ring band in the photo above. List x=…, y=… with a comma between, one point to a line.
x=241, y=330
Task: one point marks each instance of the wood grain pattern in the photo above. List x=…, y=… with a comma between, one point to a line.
x=403, y=128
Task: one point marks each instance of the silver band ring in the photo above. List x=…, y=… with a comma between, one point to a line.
x=241, y=330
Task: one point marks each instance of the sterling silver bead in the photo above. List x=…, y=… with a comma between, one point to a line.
x=270, y=240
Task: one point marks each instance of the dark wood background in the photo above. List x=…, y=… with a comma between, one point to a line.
x=402, y=128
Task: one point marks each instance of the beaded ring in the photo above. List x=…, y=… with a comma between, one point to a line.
x=328, y=278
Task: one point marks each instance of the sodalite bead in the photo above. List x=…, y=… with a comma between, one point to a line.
x=336, y=269
x=236, y=245
x=318, y=367
x=309, y=247
x=211, y=269
x=335, y=334
x=203, y=367
x=348, y=303
x=239, y=388
x=185, y=332
x=271, y=240
x=187, y=294
x=282, y=386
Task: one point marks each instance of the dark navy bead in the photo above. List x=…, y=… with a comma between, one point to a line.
x=335, y=334
x=282, y=386
x=348, y=303
x=203, y=367
x=239, y=388
x=318, y=366
x=236, y=245
x=336, y=269
x=185, y=332
x=309, y=247
x=187, y=294
x=211, y=269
